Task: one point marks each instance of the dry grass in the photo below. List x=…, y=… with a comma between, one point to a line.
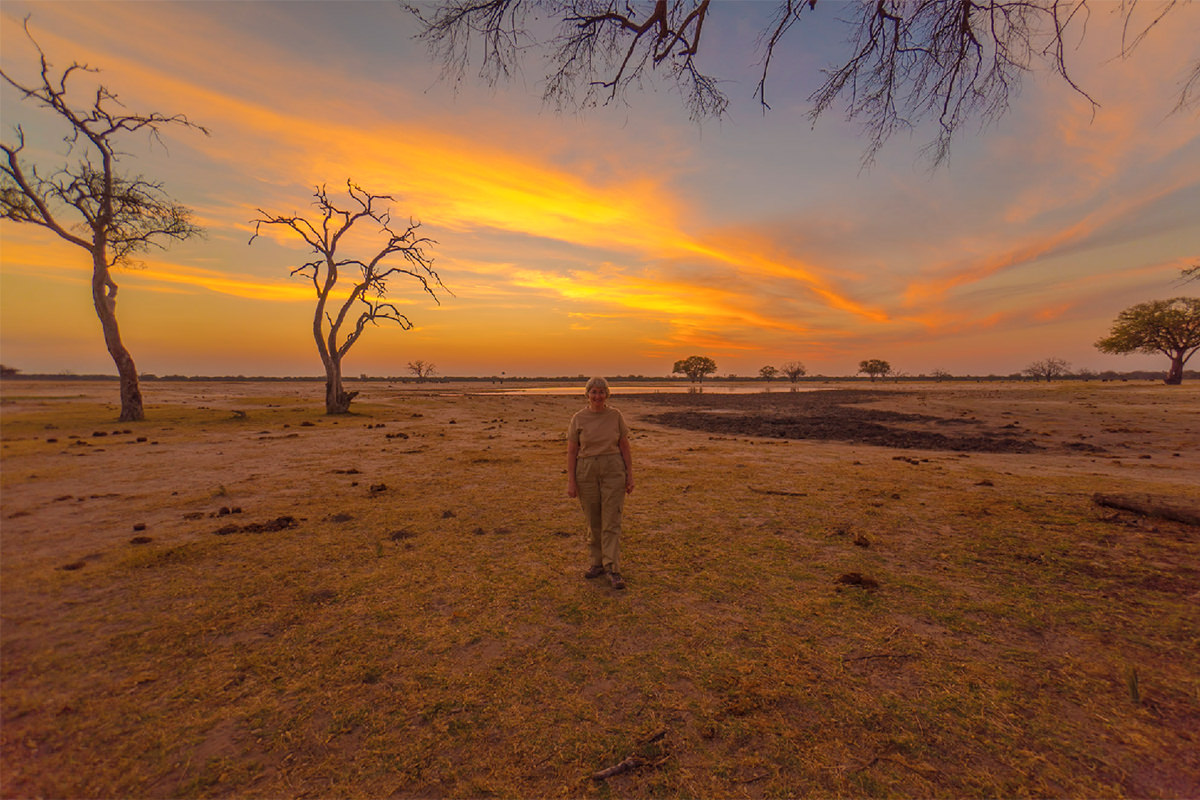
x=434, y=637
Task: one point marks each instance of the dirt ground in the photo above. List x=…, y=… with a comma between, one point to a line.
x=221, y=477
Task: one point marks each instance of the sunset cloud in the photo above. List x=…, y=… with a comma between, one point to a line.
x=631, y=232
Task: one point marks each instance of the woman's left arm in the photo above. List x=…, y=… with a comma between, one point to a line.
x=627, y=457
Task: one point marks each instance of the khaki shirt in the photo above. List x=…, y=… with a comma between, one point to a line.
x=597, y=432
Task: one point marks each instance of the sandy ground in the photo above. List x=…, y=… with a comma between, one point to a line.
x=78, y=488
x=80, y=482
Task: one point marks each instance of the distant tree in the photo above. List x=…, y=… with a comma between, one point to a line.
x=906, y=60
x=695, y=367
x=874, y=368
x=422, y=369
x=768, y=373
x=1170, y=327
x=89, y=203
x=8, y=372
x=1049, y=369
x=940, y=375
x=401, y=252
x=793, y=371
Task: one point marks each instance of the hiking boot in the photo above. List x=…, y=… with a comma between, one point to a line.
x=594, y=571
x=617, y=581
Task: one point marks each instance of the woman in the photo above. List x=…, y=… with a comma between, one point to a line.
x=600, y=474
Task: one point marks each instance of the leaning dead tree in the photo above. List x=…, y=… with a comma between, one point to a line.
x=907, y=61
x=86, y=201
x=338, y=323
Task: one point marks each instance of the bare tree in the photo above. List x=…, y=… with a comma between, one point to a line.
x=1049, y=369
x=422, y=369
x=909, y=60
x=336, y=328
x=794, y=371
x=87, y=202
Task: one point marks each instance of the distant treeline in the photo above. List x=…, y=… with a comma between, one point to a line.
x=1136, y=375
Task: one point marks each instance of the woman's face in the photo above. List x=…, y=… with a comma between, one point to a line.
x=597, y=397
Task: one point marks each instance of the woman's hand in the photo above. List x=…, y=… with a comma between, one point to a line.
x=627, y=458
x=572, y=462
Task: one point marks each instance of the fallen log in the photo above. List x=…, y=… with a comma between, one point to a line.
x=617, y=769
x=633, y=762
x=1178, y=509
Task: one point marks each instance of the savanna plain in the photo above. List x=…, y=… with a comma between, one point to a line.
x=892, y=590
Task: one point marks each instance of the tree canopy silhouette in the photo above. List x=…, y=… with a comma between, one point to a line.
x=1170, y=327
x=695, y=367
x=875, y=368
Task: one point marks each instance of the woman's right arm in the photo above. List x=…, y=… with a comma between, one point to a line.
x=572, y=459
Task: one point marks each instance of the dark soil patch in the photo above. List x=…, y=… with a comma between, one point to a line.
x=858, y=579
x=275, y=525
x=834, y=415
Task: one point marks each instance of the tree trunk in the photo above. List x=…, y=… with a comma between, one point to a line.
x=104, y=297
x=1175, y=374
x=337, y=400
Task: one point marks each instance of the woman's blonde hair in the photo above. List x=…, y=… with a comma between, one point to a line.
x=597, y=382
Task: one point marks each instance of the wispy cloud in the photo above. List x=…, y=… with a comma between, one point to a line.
x=617, y=229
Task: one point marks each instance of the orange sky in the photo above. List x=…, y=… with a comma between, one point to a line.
x=615, y=241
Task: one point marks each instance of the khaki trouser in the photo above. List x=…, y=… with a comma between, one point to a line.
x=601, y=481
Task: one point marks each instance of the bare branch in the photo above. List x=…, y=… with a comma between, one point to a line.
x=945, y=61
x=455, y=26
